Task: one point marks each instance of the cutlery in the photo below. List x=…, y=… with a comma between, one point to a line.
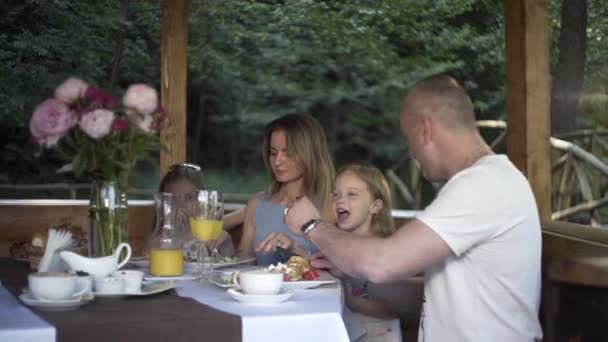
x=283, y=254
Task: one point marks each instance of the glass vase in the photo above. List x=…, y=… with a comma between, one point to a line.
x=108, y=216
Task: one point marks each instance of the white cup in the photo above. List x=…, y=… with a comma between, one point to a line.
x=54, y=285
x=85, y=282
x=132, y=279
x=258, y=282
x=109, y=285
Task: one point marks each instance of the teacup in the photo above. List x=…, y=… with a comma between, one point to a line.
x=54, y=286
x=258, y=282
x=109, y=285
x=85, y=281
x=132, y=279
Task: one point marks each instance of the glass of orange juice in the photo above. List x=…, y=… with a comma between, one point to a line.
x=207, y=226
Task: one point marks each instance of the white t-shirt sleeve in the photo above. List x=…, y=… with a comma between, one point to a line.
x=466, y=211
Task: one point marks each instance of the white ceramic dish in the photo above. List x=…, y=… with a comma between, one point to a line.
x=282, y=296
x=56, y=305
x=146, y=290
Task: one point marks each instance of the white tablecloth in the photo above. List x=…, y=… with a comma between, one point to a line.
x=18, y=323
x=310, y=315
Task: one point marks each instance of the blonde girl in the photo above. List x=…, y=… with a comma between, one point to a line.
x=362, y=206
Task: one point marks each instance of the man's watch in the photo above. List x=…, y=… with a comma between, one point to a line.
x=309, y=226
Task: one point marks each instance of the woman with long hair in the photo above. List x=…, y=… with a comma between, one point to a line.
x=296, y=154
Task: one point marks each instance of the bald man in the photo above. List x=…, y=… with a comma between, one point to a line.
x=478, y=243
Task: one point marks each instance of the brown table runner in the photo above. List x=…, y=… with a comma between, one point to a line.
x=159, y=317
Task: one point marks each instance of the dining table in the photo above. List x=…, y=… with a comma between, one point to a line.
x=191, y=310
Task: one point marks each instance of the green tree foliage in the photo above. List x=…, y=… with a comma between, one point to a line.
x=44, y=42
x=346, y=62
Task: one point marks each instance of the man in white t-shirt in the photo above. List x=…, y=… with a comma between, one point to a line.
x=478, y=243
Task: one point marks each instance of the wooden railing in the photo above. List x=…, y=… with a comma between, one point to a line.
x=575, y=282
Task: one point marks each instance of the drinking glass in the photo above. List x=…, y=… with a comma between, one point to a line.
x=207, y=226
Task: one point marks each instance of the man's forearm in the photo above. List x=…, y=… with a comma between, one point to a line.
x=353, y=255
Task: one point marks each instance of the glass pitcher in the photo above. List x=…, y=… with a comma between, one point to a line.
x=166, y=242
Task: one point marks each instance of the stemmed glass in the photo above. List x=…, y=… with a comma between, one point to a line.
x=207, y=226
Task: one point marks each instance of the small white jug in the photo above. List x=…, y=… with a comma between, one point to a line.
x=98, y=267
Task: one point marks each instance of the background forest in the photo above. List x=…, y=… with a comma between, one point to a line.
x=346, y=62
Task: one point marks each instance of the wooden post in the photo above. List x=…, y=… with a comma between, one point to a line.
x=174, y=70
x=527, y=95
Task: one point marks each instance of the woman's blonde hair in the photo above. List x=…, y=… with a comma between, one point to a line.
x=307, y=146
x=377, y=185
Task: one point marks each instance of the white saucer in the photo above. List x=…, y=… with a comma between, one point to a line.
x=55, y=305
x=306, y=284
x=282, y=296
x=146, y=290
x=185, y=276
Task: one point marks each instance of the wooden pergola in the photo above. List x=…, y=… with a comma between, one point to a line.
x=572, y=254
x=566, y=247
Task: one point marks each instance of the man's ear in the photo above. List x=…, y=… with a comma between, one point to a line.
x=376, y=206
x=427, y=130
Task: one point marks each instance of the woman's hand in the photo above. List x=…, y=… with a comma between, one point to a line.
x=273, y=240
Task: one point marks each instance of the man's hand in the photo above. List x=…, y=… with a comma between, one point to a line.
x=318, y=260
x=300, y=212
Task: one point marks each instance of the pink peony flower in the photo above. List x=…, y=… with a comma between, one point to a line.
x=141, y=97
x=51, y=121
x=109, y=101
x=71, y=90
x=100, y=97
x=120, y=124
x=97, y=124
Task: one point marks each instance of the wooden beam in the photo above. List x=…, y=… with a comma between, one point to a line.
x=174, y=71
x=527, y=94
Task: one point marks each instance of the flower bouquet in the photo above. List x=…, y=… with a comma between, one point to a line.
x=102, y=141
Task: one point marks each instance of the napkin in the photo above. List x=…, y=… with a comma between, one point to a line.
x=57, y=241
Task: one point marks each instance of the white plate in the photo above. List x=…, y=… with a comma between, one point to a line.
x=139, y=261
x=306, y=284
x=282, y=296
x=54, y=305
x=146, y=290
x=222, y=278
x=185, y=276
x=190, y=266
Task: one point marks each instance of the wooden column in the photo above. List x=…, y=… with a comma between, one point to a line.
x=527, y=94
x=174, y=71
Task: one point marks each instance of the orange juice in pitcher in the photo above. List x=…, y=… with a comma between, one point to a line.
x=166, y=253
x=166, y=262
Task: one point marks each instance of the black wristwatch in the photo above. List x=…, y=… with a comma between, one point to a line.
x=309, y=226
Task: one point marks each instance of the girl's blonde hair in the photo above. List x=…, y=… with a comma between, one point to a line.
x=307, y=146
x=377, y=185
